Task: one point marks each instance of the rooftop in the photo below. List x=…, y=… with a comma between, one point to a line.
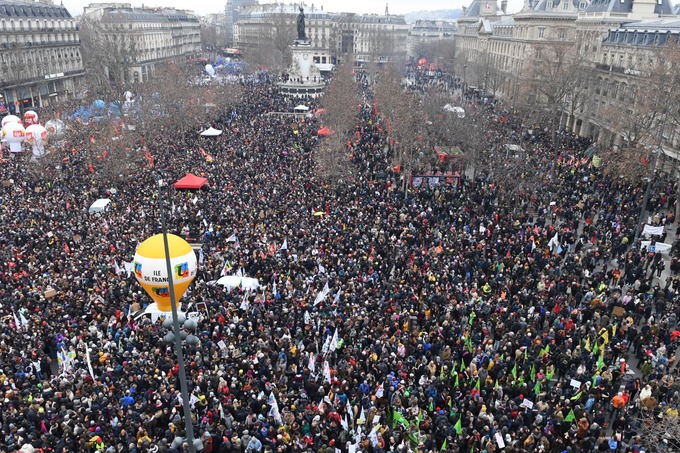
x=19, y=8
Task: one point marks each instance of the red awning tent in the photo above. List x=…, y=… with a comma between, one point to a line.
x=191, y=181
x=325, y=132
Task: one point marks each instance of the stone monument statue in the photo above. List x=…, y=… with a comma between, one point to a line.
x=301, y=25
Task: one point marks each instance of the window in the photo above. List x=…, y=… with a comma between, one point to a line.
x=541, y=32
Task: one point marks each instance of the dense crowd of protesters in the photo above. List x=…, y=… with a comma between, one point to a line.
x=449, y=323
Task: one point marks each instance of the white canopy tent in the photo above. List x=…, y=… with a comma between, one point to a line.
x=459, y=111
x=301, y=108
x=234, y=281
x=211, y=132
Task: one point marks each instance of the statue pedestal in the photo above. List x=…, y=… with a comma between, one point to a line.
x=304, y=78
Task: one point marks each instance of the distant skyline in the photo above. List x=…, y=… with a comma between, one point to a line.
x=203, y=7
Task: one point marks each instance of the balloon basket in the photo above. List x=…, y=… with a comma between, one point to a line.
x=155, y=313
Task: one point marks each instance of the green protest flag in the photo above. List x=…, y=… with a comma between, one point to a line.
x=546, y=350
x=459, y=426
x=496, y=384
x=550, y=374
x=502, y=357
x=537, y=388
x=462, y=365
x=473, y=315
x=419, y=418
x=533, y=372
x=570, y=417
x=600, y=363
x=478, y=386
x=514, y=371
x=455, y=384
x=453, y=370
x=443, y=445
x=576, y=397
x=525, y=355
x=397, y=417
x=413, y=438
x=431, y=406
x=441, y=373
x=596, y=346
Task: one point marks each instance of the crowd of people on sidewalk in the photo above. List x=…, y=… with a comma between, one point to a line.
x=388, y=321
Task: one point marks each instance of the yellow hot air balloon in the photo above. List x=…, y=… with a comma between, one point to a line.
x=151, y=270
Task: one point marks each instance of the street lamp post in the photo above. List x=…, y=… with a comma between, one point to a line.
x=184, y=391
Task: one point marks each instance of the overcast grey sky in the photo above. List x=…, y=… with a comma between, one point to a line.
x=75, y=7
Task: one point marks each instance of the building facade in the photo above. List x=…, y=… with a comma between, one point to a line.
x=153, y=35
x=231, y=17
x=333, y=36
x=40, y=59
x=611, y=41
x=265, y=32
x=214, y=32
x=426, y=32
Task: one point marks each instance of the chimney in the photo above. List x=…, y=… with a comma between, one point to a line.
x=504, y=6
x=387, y=9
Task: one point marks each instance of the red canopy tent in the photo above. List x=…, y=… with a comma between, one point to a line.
x=191, y=181
x=325, y=132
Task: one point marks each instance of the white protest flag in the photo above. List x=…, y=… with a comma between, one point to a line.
x=274, y=409
x=362, y=416
x=334, y=342
x=275, y=290
x=344, y=424
x=373, y=435
x=221, y=409
x=312, y=362
x=284, y=246
x=244, y=302
x=327, y=371
x=336, y=299
x=24, y=321
x=89, y=361
x=380, y=392
x=308, y=318
x=117, y=268
x=232, y=238
x=239, y=273
x=322, y=295
x=326, y=345
x=322, y=269
x=16, y=321
x=554, y=242
x=652, y=230
x=350, y=412
x=128, y=268
x=201, y=257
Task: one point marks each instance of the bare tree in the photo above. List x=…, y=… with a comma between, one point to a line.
x=108, y=57
x=409, y=143
x=552, y=77
x=638, y=115
x=340, y=102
